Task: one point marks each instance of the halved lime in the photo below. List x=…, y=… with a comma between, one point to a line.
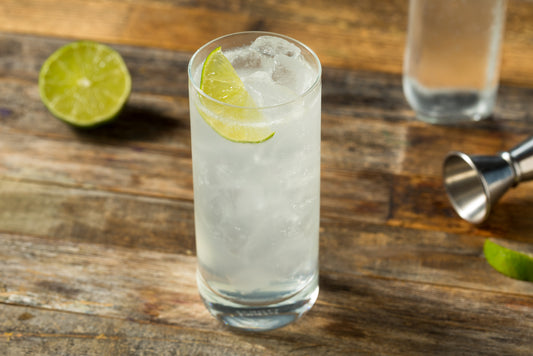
x=84, y=83
x=240, y=121
x=511, y=263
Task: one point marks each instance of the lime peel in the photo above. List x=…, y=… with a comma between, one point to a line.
x=509, y=262
x=240, y=121
x=84, y=83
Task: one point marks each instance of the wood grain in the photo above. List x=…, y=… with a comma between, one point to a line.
x=350, y=34
x=97, y=229
x=150, y=300
x=383, y=149
x=63, y=213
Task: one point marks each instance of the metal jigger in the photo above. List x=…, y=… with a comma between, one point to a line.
x=475, y=183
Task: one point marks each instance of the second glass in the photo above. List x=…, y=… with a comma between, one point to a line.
x=257, y=205
x=452, y=57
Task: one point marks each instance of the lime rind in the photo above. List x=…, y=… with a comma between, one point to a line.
x=509, y=262
x=233, y=114
x=246, y=125
x=85, y=83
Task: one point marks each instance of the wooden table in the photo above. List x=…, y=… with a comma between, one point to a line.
x=97, y=251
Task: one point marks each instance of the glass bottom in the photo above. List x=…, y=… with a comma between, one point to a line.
x=449, y=106
x=258, y=317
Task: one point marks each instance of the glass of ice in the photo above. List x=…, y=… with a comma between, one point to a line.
x=257, y=205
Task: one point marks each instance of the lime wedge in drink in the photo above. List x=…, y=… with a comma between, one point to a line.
x=511, y=263
x=84, y=83
x=240, y=121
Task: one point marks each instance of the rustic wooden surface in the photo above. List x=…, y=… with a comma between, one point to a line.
x=97, y=253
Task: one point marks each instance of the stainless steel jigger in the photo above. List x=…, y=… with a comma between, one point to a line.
x=475, y=183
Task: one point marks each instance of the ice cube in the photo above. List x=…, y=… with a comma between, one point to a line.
x=247, y=61
x=265, y=91
x=293, y=73
x=271, y=46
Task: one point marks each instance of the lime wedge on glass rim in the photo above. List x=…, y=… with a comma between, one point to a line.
x=509, y=262
x=84, y=83
x=240, y=120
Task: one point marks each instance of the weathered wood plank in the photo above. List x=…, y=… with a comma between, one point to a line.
x=352, y=245
x=432, y=257
x=85, y=278
x=360, y=200
x=429, y=208
x=113, y=167
x=187, y=26
x=95, y=216
x=32, y=331
x=367, y=126
x=373, y=35
x=374, y=154
x=160, y=82
x=161, y=76
x=150, y=300
x=359, y=196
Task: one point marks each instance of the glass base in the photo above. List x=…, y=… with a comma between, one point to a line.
x=449, y=106
x=258, y=317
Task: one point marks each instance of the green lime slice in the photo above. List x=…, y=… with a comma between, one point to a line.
x=511, y=263
x=240, y=121
x=84, y=83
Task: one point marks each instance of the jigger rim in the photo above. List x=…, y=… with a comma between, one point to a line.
x=477, y=216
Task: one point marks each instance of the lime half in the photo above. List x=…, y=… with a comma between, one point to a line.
x=240, y=121
x=511, y=263
x=84, y=83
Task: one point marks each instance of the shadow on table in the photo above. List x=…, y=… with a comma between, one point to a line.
x=136, y=123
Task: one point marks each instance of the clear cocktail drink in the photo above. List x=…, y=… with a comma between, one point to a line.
x=256, y=204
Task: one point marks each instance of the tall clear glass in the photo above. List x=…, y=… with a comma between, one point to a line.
x=452, y=57
x=257, y=205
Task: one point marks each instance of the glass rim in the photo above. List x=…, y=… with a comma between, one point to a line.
x=316, y=82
